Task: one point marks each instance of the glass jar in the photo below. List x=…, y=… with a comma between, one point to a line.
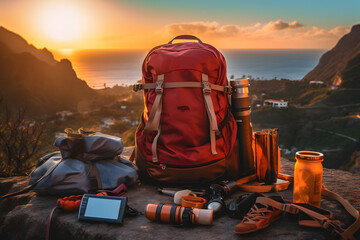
x=308, y=178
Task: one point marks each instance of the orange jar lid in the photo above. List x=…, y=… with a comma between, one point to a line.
x=309, y=156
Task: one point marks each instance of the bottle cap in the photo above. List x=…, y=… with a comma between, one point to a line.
x=309, y=156
x=239, y=83
x=205, y=216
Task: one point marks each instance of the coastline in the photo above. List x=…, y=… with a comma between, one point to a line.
x=123, y=67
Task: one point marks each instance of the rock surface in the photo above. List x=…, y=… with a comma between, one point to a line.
x=26, y=216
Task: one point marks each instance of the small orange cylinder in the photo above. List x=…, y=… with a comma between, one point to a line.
x=308, y=178
x=162, y=213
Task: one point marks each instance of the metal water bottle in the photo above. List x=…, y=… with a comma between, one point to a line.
x=240, y=105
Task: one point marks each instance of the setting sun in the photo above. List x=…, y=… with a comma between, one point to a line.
x=62, y=22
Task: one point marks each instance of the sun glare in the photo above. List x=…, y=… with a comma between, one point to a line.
x=62, y=22
x=66, y=51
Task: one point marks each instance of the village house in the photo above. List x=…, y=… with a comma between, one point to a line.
x=275, y=103
x=107, y=123
x=132, y=123
x=64, y=114
x=316, y=83
x=135, y=123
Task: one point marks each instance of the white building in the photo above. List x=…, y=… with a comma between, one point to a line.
x=107, y=123
x=316, y=82
x=275, y=103
x=135, y=123
x=125, y=119
x=64, y=114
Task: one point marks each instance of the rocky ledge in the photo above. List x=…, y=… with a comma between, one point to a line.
x=26, y=216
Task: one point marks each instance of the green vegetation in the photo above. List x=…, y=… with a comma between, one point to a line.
x=313, y=120
x=352, y=73
x=20, y=141
x=125, y=112
x=316, y=118
x=24, y=141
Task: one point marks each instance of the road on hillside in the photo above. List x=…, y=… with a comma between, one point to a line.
x=337, y=134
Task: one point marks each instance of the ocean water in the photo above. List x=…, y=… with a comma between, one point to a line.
x=110, y=67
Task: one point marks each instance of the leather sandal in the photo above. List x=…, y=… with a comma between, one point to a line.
x=259, y=217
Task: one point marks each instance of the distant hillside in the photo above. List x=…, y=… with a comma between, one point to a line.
x=351, y=73
x=19, y=45
x=333, y=63
x=319, y=118
x=32, y=78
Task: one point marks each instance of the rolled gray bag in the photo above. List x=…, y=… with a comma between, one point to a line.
x=83, y=165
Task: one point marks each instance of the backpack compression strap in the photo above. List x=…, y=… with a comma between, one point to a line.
x=210, y=111
x=146, y=86
x=153, y=123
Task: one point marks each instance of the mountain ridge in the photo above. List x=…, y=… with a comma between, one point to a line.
x=332, y=63
x=32, y=78
x=18, y=44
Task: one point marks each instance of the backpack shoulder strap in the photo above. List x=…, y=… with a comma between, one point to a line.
x=30, y=187
x=345, y=203
x=319, y=220
x=267, y=188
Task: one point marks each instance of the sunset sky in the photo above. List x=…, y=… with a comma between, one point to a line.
x=142, y=24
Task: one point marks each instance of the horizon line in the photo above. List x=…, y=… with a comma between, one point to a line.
x=148, y=49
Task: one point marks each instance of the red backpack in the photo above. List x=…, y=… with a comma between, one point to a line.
x=187, y=132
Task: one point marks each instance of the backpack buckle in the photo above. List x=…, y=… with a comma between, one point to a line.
x=333, y=227
x=137, y=87
x=159, y=86
x=93, y=183
x=228, y=90
x=290, y=209
x=206, y=86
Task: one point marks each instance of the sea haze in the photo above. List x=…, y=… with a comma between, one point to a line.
x=111, y=67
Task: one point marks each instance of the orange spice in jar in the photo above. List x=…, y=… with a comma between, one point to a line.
x=308, y=178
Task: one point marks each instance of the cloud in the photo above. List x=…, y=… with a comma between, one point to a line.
x=192, y=27
x=340, y=31
x=272, y=34
x=204, y=28
x=282, y=25
x=230, y=30
x=322, y=33
x=315, y=32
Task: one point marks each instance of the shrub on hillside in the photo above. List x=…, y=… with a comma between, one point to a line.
x=19, y=142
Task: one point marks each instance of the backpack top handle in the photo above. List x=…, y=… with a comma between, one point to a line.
x=186, y=37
